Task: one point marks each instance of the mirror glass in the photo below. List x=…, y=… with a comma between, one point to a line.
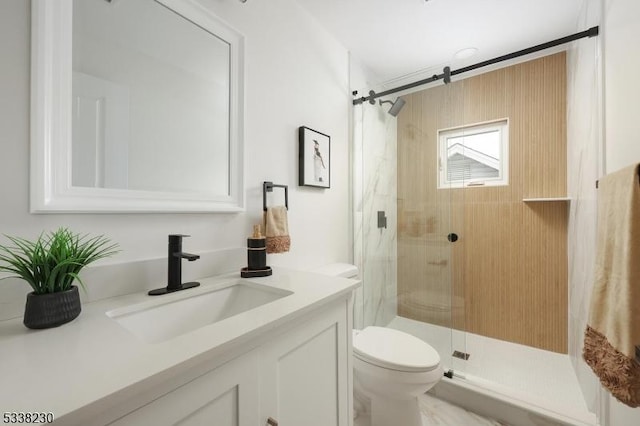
x=150, y=100
x=137, y=106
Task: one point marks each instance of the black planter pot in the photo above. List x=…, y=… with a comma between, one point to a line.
x=51, y=309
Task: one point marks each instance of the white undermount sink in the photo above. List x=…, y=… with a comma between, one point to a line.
x=184, y=311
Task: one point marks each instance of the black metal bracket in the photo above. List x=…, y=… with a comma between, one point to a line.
x=268, y=187
x=449, y=374
x=382, y=220
x=446, y=73
x=462, y=355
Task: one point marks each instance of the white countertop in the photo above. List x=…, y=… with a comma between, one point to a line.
x=63, y=369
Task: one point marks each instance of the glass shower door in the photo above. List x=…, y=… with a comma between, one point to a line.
x=428, y=217
x=405, y=224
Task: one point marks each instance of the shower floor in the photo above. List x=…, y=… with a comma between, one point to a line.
x=540, y=378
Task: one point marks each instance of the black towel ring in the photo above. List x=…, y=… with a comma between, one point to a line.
x=268, y=187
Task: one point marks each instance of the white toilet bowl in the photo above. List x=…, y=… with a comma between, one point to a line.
x=391, y=368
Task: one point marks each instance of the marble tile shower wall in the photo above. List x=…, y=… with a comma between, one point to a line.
x=375, y=182
x=583, y=141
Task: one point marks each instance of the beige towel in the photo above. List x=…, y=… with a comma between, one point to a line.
x=276, y=228
x=613, y=328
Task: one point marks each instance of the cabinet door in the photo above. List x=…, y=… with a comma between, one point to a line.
x=226, y=396
x=305, y=372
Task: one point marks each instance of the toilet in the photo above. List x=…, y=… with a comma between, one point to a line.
x=391, y=368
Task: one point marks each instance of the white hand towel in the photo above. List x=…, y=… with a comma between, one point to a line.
x=276, y=227
x=613, y=329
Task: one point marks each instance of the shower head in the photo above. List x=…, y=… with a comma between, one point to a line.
x=395, y=106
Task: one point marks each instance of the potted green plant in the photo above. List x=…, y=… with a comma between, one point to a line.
x=50, y=265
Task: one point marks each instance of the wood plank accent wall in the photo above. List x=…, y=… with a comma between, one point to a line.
x=506, y=277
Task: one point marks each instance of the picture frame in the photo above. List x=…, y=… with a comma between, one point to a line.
x=314, y=155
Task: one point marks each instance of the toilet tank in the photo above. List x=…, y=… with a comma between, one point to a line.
x=345, y=270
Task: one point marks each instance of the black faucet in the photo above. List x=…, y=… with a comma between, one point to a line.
x=174, y=276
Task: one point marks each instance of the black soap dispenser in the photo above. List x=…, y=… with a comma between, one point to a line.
x=256, y=256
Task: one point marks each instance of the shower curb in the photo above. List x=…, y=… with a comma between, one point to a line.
x=507, y=409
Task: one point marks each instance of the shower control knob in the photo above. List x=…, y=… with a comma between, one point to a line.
x=452, y=237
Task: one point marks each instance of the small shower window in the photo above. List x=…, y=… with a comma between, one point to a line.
x=474, y=155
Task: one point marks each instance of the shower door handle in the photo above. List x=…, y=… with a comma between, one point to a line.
x=452, y=237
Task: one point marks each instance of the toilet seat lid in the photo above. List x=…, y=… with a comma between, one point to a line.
x=394, y=350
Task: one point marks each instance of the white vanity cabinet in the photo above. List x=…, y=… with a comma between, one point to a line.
x=225, y=396
x=285, y=362
x=305, y=374
x=299, y=374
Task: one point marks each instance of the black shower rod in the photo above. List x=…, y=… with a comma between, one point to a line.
x=447, y=73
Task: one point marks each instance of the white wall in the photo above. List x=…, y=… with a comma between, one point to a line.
x=584, y=118
x=296, y=74
x=621, y=32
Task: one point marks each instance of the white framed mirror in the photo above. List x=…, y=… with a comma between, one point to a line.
x=137, y=106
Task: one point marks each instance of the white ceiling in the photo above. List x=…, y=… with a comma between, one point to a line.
x=394, y=38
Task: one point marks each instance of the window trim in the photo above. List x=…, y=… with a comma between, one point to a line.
x=442, y=135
